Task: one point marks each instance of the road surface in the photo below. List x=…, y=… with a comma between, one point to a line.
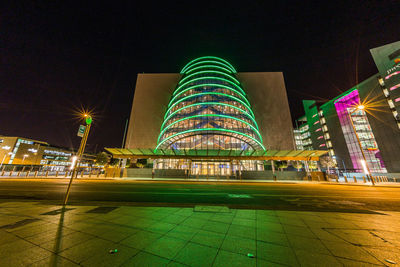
x=279, y=196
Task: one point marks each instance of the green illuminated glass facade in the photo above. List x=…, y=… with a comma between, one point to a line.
x=209, y=110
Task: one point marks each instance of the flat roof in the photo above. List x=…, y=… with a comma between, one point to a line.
x=136, y=153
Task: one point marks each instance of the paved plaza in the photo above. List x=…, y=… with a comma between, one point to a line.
x=40, y=234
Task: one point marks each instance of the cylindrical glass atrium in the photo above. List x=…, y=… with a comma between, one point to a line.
x=209, y=110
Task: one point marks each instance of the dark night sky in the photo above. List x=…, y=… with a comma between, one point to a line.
x=57, y=56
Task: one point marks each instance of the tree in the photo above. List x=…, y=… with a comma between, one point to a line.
x=101, y=158
x=281, y=164
x=297, y=164
x=327, y=162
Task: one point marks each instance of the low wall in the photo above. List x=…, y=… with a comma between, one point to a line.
x=138, y=172
x=268, y=175
x=170, y=173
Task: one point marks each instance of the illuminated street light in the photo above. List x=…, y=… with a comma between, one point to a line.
x=23, y=158
x=364, y=161
x=74, y=158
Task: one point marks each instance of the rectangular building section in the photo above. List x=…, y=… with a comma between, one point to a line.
x=266, y=92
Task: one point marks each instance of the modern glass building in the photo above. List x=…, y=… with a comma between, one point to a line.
x=377, y=127
x=209, y=111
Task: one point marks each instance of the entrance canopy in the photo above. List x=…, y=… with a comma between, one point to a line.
x=147, y=153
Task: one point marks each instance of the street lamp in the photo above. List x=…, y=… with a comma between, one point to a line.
x=76, y=160
x=23, y=158
x=364, y=161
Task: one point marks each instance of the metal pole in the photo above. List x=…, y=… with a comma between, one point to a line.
x=362, y=152
x=80, y=152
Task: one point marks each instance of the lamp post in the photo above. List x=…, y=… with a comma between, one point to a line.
x=23, y=158
x=365, y=164
x=88, y=120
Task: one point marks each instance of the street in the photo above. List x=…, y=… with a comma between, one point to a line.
x=277, y=196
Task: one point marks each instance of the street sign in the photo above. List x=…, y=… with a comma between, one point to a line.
x=81, y=130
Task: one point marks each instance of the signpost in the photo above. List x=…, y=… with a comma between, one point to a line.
x=81, y=149
x=81, y=130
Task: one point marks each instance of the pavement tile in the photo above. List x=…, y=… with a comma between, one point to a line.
x=222, y=217
x=208, y=238
x=216, y=227
x=104, y=258
x=389, y=236
x=310, y=258
x=276, y=253
x=264, y=263
x=266, y=213
x=345, y=250
x=160, y=227
x=244, y=222
x=239, y=245
x=184, y=212
x=242, y=231
x=176, y=264
x=64, y=242
x=6, y=238
x=325, y=235
x=141, y=239
x=23, y=257
x=271, y=226
x=87, y=249
x=116, y=235
x=194, y=223
x=11, y=219
x=297, y=230
x=353, y=263
x=308, y=244
x=166, y=247
x=182, y=232
x=175, y=219
x=382, y=254
x=267, y=218
x=272, y=237
x=54, y=260
x=30, y=230
x=202, y=215
x=246, y=214
x=143, y=259
x=48, y=236
x=296, y=221
x=196, y=255
x=17, y=245
x=226, y=258
x=358, y=237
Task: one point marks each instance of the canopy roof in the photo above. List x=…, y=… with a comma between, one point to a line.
x=141, y=153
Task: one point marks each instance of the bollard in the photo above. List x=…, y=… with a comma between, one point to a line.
x=66, y=174
x=90, y=174
x=18, y=173
x=355, y=179
x=345, y=178
x=47, y=174
x=35, y=175
x=27, y=174
x=98, y=174
x=82, y=174
x=364, y=179
x=56, y=174
x=2, y=173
